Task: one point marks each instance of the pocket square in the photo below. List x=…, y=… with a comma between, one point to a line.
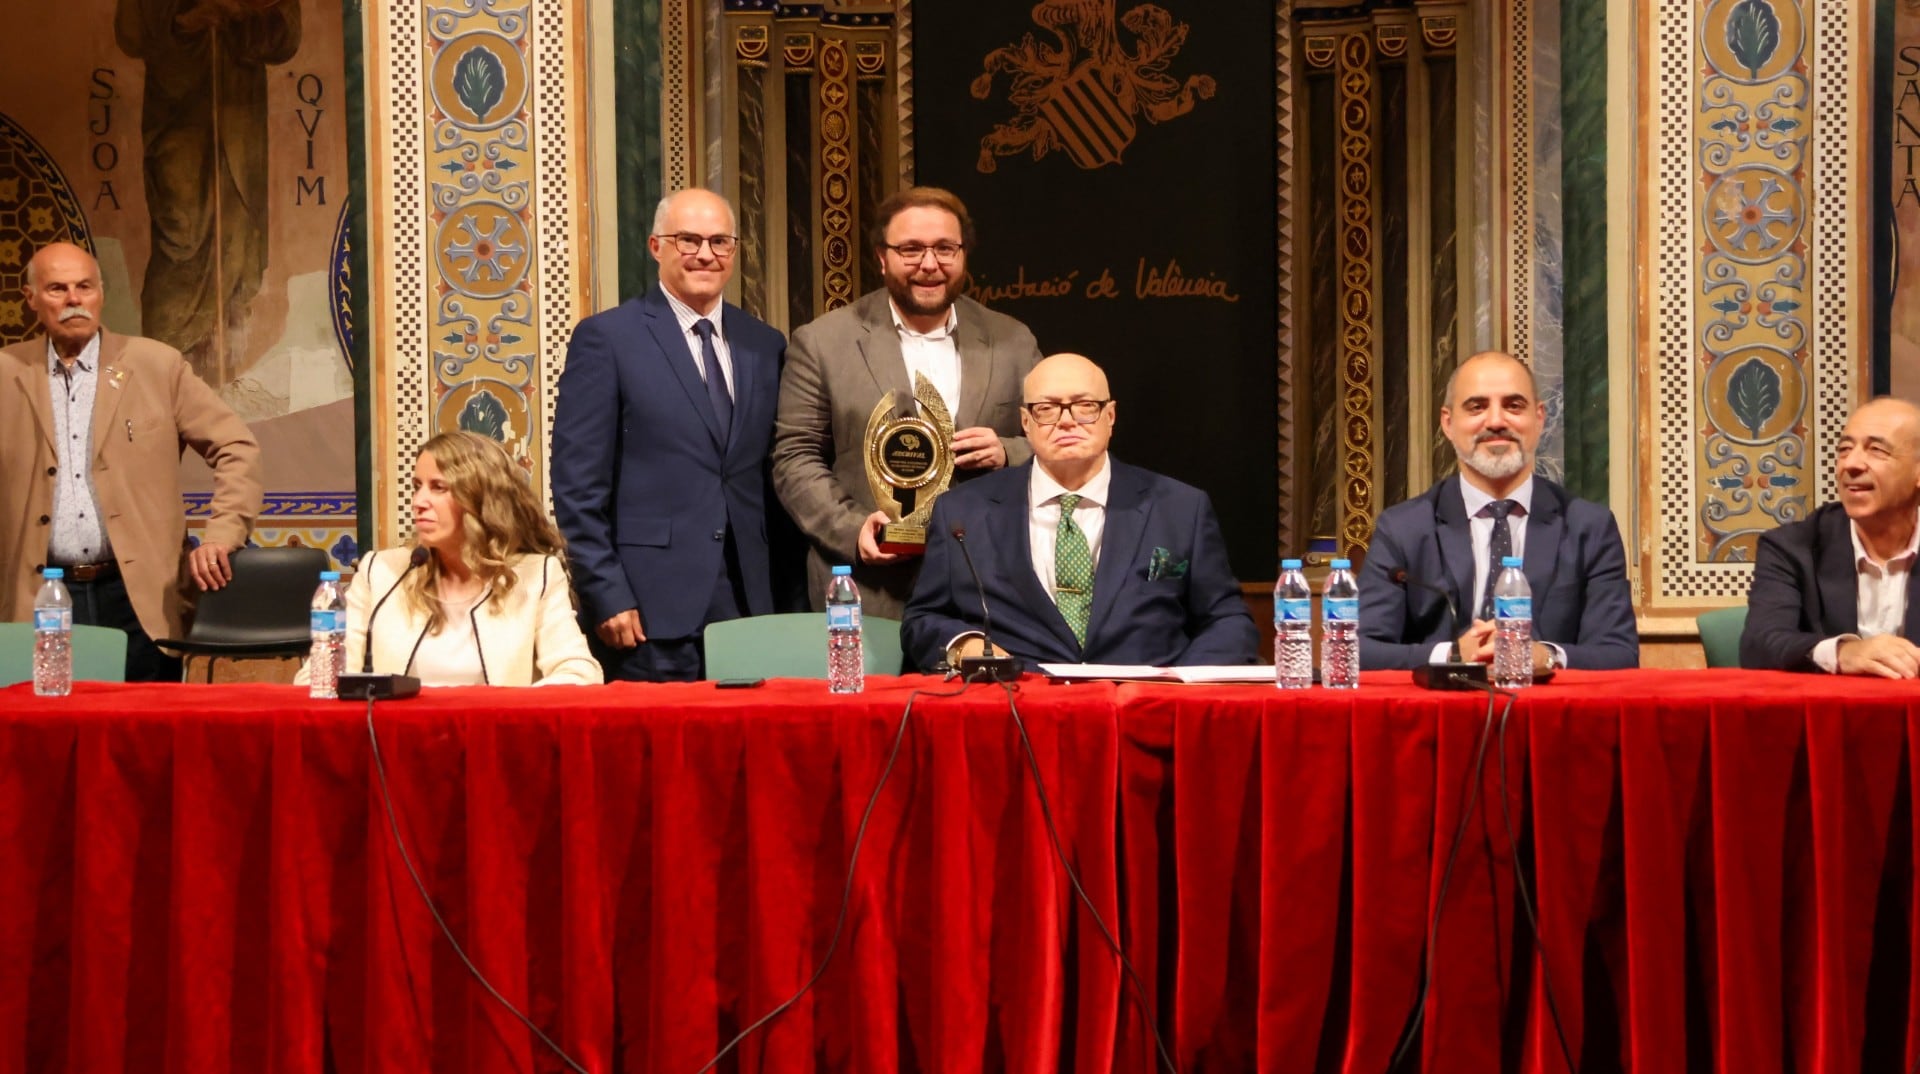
x=1161, y=565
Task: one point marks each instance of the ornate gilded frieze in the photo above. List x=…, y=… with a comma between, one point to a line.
x=1754, y=301
x=476, y=213
x=1357, y=315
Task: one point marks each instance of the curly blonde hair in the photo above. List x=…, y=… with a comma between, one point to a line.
x=500, y=519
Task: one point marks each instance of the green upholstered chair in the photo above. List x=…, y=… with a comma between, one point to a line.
x=793, y=647
x=1720, y=635
x=99, y=653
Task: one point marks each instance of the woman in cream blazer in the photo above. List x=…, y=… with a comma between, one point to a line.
x=528, y=636
x=483, y=594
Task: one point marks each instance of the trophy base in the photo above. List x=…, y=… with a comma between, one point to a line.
x=900, y=539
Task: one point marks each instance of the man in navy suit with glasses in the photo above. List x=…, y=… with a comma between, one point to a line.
x=661, y=429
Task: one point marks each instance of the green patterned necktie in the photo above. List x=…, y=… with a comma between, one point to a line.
x=1072, y=571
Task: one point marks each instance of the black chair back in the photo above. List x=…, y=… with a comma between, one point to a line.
x=263, y=610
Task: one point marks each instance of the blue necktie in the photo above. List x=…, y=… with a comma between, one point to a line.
x=1499, y=547
x=716, y=380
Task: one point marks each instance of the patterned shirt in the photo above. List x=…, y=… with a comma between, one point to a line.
x=79, y=533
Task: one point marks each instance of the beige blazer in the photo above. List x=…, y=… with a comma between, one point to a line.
x=529, y=638
x=150, y=407
x=837, y=367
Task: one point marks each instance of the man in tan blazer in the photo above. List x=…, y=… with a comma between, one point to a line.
x=839, y=365
x=92, y=426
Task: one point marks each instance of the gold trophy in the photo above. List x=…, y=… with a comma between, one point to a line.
x=909, y=464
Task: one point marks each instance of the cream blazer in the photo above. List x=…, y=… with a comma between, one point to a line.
x=529, y=638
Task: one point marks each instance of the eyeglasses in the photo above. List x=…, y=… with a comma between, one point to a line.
x=689, y=244
x=1049, y=413
x=913, y=253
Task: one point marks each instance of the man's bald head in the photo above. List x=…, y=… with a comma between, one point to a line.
x=1069, y=446
x=1076, y=370
x=63, y=290
x=1486, y=360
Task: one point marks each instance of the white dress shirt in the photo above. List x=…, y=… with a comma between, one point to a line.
x=934, y=353
x=1881, y=596
x=1043, y=524
x=79, y=534
x=688, y=318
x=1043, y=517
x=1480, y=530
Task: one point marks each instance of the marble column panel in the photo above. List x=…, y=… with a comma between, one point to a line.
x=1444, y=246
x=1395, y=212
x=870, y=175
x=1583, y=112
x=801, y=276
x=751, y=85
x=1321, y=481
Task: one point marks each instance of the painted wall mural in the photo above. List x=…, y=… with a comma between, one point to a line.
x=1751, y=303
x=199, y=150
x=479, y=211
x=1754, y=281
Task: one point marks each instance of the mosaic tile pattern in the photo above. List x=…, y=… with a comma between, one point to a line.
x=1751, y=225
x=478, y=104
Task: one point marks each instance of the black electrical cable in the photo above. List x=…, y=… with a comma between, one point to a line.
x=1526, y=899
x=846, y=889
x=1471, y=795
x=1053, y=833
x=386, y=796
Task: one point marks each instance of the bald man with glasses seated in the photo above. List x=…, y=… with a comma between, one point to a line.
x=1083, y=559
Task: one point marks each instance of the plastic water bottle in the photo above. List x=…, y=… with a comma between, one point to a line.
x=846, y=660
x=53, y=636
x=328, y=625
x=1340, y=628
x=1512, y=627
x=1292, y=628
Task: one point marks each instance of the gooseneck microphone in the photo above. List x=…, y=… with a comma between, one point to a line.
x=417, y=559
x=988, y=667
x=366, y=686
x=1455, y=674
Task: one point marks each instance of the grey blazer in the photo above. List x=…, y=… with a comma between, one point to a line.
x=837, y=368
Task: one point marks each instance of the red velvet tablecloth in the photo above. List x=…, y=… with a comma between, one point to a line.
x=203, y=879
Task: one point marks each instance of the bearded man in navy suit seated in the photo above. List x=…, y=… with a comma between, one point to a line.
x=1453, y=537
x=1083, y=558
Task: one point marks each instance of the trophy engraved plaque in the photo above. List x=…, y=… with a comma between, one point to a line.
x=909, y=464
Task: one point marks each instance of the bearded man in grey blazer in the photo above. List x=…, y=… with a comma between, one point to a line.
x=839, y=365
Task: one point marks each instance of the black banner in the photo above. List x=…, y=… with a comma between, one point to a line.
x=1143, y=235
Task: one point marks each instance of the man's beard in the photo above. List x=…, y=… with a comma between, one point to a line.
x=1489, y=465
x=903, y=296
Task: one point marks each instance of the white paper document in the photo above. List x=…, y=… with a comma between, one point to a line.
x=1144, y=673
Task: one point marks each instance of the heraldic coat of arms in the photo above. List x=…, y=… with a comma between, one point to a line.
x=1084, y=96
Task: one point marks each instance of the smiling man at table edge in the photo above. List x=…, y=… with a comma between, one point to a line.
x=1835, y=592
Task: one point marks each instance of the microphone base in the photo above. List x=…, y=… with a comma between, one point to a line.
x=1455, y=676
x=358, y=686
x=989, y=668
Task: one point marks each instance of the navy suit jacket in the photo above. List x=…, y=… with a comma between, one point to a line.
x=643, y=488
x=1575, y=565
x=1195, y=617
x=1806, y=589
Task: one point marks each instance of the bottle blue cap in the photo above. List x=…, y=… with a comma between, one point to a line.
x=54, y=572
x=329, y=576
x=1289, y=564
x=842, y=568
x=1510, y=561
x=1341, y=564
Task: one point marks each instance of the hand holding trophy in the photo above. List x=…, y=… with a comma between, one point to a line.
x=909, y=464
